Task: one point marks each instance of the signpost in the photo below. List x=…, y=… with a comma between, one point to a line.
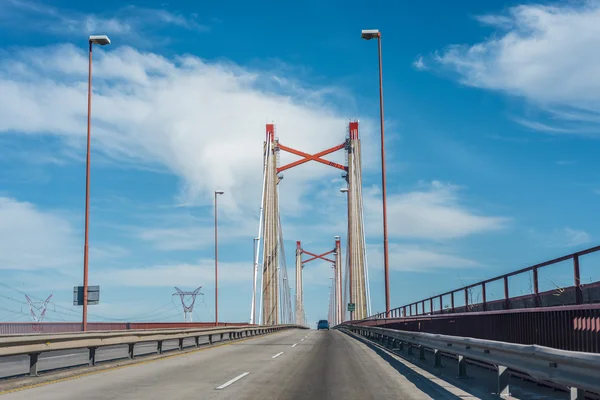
x=351, y=307
x=93, y=295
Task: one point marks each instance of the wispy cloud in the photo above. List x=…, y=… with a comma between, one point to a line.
x=563, y=237
x=175, y=113
x=420, y=258
x=566, y=162
x=434, y=212
x=419, y=64
x=33, y=239
x=543, y=54
x=131, y=22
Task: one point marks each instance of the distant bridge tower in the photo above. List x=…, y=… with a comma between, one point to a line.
x=271, y=298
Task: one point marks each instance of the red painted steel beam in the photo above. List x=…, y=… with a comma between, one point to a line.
x=311, y=157
x=315, y=256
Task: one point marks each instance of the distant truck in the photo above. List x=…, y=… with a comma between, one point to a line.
x=323, y=324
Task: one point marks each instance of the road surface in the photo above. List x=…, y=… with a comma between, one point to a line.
x=294, y=364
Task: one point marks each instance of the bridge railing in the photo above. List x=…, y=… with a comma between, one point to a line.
x=577, y=371
x=19, y=328
x=577, y=294
x=34, y=345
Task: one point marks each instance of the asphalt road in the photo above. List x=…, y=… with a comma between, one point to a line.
x=295, y=364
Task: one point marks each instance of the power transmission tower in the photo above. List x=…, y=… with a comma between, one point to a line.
x=37, y=308
x=189, y=297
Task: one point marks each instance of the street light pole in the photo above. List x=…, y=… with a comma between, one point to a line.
x=217, y=192
x=102, y=40
x=367, y=35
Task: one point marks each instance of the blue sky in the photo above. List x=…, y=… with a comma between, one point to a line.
x=492, y=124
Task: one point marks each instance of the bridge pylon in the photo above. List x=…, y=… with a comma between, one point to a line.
x=274, y=295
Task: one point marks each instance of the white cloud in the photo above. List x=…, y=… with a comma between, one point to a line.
x=544, y=54
x=418, y=258
x=434, y=212
x=203, y=121
x=133, y=23
x=563, y=237
x=419, y=64
x=574, y=237
x=170, y=275
x=34, y=239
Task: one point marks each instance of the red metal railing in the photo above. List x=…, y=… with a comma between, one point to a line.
x=9, y=328
x=576, y=294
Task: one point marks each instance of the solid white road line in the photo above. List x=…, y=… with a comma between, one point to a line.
x=277, y=355
x=302, y=340
x=237, y=378
x=295, y=344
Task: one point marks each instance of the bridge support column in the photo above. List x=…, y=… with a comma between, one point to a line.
x=577, y=394
x=503, y=380
x=33, y=364
x=462, y=367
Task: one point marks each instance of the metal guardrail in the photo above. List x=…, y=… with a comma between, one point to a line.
x=34, y=344
x=575, y=370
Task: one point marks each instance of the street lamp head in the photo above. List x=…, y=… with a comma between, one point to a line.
x=344, y=190
x=102, y=40
x=219, y=192
x=369, y=34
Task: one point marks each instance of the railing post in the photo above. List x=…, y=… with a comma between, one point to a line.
x=210, y=339
x=466, y=299
x=506, y=294
x=196, y=341
x=423, y=307
x=503, y=380
x=452, y=302
x=536, y=288
x=33, y=364
x=441, y=305
x=92, y=356
x=221, y=337
x=577, y=394
x=405, y=312
x=410, y=349
x=431, y=306
x=577, y=278
x=437, y=358
x=159, y=346
x=483, y=296
x=421, y=353
x=130, y=351
x=462, y=367
x=180, y=344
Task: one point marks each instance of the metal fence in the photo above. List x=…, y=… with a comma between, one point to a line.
x=575, y=328
x=577, y=294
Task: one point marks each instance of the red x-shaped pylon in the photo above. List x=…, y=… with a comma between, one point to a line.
x=311, y=157
x=315, y=256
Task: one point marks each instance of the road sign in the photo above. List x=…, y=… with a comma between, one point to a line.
x=351, y=307
x=93, y=295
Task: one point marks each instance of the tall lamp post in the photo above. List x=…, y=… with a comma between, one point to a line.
x=350, y=300
x=217, y=192
x=369, y=34
x=101, y=40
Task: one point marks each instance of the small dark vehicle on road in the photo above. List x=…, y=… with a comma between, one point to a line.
x=323, y=324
